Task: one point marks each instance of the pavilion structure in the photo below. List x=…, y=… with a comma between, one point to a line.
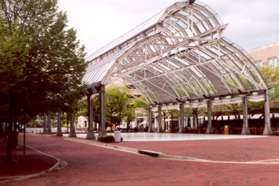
x=179, y=56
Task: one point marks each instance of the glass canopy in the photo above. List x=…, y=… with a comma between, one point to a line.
x=178, y=55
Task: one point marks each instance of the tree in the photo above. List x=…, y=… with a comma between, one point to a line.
x=271, y=75
x=41, y=61
x=117, y=104
x=140, y=102
x=129, y=115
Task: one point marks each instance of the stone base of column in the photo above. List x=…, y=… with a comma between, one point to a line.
x=72, y=135
x=90, y=135
x=181, y=129
x=59, y=134
x=150, y=129
x=267, y=131
x=102, y=134
x=245, y=131
x=209, y=130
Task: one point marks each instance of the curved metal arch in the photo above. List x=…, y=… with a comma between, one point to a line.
x=180, y=55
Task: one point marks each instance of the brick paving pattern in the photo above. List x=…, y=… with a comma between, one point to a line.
x=90, y=165
x=226, y=150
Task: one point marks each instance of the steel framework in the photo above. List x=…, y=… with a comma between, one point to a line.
x=178, y=55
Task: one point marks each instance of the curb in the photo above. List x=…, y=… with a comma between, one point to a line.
x=60, y=164
x=150, y=153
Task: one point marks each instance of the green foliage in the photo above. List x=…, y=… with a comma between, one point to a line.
x=271, y=75
x=129, y=114
x=41, y=62
x=82, y=108
x=118, y=105
x=173, y=113
x=140, y=102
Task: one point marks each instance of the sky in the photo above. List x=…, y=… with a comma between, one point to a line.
x=251, y=23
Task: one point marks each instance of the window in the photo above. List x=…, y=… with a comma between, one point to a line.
x=272, y=62
x=258, y=63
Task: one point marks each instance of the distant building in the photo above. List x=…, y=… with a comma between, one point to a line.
x=267, y=55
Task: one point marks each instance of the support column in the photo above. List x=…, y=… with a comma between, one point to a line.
x=191, y=122
x=150, y=119
x=245, y=127
x=59, y=125
x=102, y=111
x=160, y=118
x=209, y=117
x=267, y=124
x=195, y=118
x=186, y=121
x=155, y=125
x=182, y=115
x=90, y=131
x=164, y=122
x=72, y=126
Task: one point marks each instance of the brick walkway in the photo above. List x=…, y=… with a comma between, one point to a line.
x=30, y=163
x=226, y=150
x=90, y=165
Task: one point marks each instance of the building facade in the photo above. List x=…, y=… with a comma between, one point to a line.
x=266, y=56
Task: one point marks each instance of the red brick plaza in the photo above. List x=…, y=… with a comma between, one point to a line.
x=92, y=165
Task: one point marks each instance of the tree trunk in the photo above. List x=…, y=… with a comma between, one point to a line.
x=72, y=126
x=11, y=128
x=128, y=126
x=9, y=143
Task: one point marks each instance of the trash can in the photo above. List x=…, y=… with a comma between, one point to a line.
x=226, y=130
x=117, y=136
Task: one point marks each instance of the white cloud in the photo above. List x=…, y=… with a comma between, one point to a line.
x=252, y=23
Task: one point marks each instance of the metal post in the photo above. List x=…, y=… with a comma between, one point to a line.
x=195, y=118
x=160, y=117
x=156, y=128
x=90, y=132
x=245, y=127
x=59, y=130
x=186, y=121
x=182, y=115
x=209, y=117
x=267, y=124
x=150, y=119
x=72, y=126
x=24, y=139
x=102, y=110
x=165, y=123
